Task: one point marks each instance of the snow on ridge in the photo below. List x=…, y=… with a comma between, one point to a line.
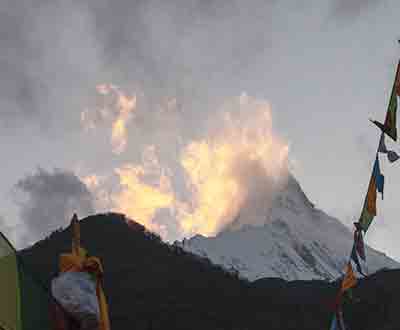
x=296, y=242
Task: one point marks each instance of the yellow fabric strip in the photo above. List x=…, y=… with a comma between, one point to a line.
x=104, y=318
x=350, y=279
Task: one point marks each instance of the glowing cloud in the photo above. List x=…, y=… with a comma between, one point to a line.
x=237, y=168
x=226, y=171
x=139, y=198
x=115, y=107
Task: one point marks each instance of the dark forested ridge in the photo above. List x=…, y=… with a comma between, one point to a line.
x=152, y=285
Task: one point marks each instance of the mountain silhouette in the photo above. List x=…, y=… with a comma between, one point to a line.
x=153, y=285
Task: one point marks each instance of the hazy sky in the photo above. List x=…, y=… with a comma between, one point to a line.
x=325, y=66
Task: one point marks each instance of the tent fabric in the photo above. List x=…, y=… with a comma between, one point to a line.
x=24, y=303
x=10, y=310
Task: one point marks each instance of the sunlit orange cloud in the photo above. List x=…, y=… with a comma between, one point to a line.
x=140, y=199
x=91, y=181
x=97, y=185
x=218, y=166
x=218, y=171
x=117, y=109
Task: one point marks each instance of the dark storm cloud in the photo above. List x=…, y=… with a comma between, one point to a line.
x=48, y=199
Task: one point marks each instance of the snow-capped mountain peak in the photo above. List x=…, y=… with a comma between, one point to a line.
x=296, y=241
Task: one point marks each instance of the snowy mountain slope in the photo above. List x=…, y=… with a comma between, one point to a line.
x=297, y=242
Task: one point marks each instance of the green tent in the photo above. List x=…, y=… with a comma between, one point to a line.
x=24, y=303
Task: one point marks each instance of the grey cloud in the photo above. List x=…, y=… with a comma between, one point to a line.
x=351, y=8
x=47, y=200
x=365, y=149
x=49, y=59
x=5, y=228
x=54, y=53
x=9, y=231
x=15, y=83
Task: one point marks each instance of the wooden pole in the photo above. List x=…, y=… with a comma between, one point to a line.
x=76, y=235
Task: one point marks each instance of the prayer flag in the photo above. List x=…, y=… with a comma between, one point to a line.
x=379, y=178
x=389, y=126
x=349, y=279
x=391, y=155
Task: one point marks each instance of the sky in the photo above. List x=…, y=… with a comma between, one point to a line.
x=323, y=66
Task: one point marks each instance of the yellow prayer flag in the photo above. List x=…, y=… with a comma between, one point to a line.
x=349, y=279
x=371, y=197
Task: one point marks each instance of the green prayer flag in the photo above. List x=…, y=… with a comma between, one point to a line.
x=365, y=219
x=390, y=121
x=389, y=127
x=24, y=304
